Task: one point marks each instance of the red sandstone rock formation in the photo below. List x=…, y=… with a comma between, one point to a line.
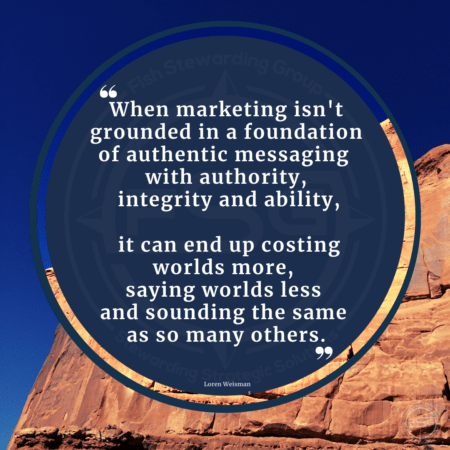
x=74, y=404
x=432, y=270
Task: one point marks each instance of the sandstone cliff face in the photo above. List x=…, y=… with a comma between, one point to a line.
x=432, y=270
x=398, y=390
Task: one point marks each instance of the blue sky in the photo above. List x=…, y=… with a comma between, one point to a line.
x=48, y=49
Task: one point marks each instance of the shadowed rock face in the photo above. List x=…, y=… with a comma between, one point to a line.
x=398, y=390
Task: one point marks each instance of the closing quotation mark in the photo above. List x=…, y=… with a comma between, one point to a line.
x=320, y=351
x=110, y=93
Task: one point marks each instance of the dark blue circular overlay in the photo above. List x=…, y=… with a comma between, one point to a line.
x=175, y=283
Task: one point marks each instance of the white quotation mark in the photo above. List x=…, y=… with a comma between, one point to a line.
x=320, y=351
x=110, y=93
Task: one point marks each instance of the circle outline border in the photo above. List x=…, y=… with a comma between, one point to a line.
x=93, y=356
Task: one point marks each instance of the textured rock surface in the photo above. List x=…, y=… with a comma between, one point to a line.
x=432, y=271
x=74, y=404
